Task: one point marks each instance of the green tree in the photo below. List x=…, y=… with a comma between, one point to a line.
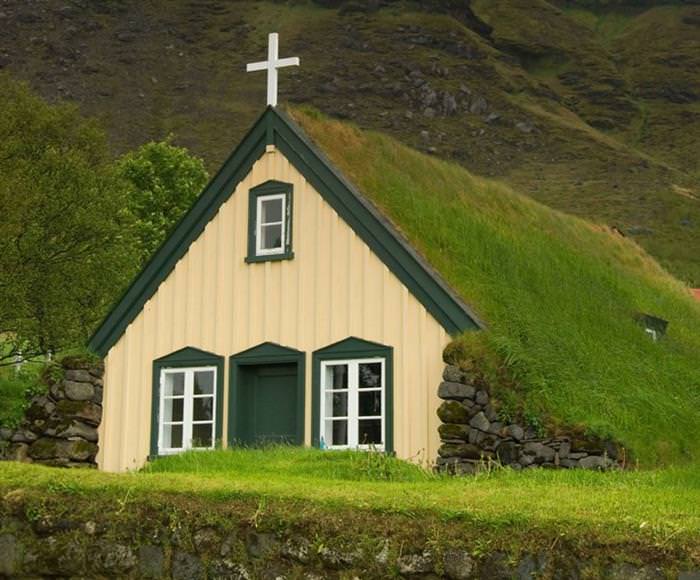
x=66, y=246
x=162, y=183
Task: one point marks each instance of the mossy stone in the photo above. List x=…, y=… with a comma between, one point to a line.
x=451, y=431
x=453, y=412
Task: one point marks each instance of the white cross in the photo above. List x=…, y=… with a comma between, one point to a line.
x=271, y=65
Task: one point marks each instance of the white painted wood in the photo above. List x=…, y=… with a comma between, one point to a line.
x=271, y=65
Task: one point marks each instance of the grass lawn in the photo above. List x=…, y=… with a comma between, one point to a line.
x=656, y=510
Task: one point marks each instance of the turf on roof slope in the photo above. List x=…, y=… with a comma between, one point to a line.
x=559, y=294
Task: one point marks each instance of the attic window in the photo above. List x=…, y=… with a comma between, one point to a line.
x=270, y=222
x=654, y=326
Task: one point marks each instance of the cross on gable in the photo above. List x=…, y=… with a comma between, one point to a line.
x=271, y=65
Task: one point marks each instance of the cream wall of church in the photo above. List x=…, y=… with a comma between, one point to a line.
x=333, y=288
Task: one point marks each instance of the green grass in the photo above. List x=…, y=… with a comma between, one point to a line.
x=559, y=294
x=653, y=509
x=13, y=389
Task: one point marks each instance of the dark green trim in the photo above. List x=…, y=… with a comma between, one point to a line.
x=270, y=187
x=275, y=127
x=353, y=348
x=267, y=353
x=186, y=357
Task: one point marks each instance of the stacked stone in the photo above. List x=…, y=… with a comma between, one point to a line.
x=60, y=427
x=473, y=433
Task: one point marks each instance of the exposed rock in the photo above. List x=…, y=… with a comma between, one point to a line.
x=413, y=564
x=593, y=462
x=496, y=427
x=482, y=398
x=457, y=391
x=24, y=436
x=206, y=540
x=8, y=555
x=451, y=431
x=151, y=562
x=78, y=376
x=115, y=559
x=297, y=549
x=516, y=432
x=463, y=450
x=524, y=127
x=541, y=452
x=78, y=391
x=86, y=411
x=626, y=571
x=261, y=545
x=478, y=105
x=80, y=430
x=476, y=436
x=186, y=567
x=479, y=421
x=452, y=412
x=508, y=452
x=453, y=374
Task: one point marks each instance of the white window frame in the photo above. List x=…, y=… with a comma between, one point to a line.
x=187, y=411
x=259, y=250
x=353, y=391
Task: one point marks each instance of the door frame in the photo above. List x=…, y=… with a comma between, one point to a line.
x=267, y=353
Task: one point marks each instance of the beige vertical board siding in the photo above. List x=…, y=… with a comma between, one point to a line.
x=335, y=287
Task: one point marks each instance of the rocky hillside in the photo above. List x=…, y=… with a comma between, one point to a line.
x=592, y=110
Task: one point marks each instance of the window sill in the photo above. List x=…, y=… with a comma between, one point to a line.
x=269, y=258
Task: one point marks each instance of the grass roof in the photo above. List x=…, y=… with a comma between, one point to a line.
x=559, y=294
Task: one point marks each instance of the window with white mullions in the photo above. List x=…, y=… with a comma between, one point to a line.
x=270, y=235
x=187, y=409
x=353, y=404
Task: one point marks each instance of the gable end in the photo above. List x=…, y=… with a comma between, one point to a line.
x=276, y=128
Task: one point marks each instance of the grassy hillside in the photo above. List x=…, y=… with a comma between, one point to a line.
x=589, y=107
x=355, y=496
x=559, y=294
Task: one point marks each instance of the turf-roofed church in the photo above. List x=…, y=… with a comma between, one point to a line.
x=283, y=308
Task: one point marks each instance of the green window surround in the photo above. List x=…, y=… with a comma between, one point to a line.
x=188, y=357
x=267, y=354
x=354, y=349
x=262, y=228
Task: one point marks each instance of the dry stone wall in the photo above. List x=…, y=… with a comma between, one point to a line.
x=60, y=427
x=473, y=434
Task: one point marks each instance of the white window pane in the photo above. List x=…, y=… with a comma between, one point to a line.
x=173, y=410
x=174, y=384
x=271, y=210
x=172, y=436
x=370, y=375
x=203, y=409
x=337, y=432
x=271, y=237
x=202, y=435
x=370, y=404
x=337, y=376
x=369, y=432
x=204, y=382
x=336, y=404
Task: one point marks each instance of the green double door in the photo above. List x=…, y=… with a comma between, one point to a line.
x=268, y=406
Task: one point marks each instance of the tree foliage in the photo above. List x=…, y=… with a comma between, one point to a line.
x=65, y=234
x=162, y=183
